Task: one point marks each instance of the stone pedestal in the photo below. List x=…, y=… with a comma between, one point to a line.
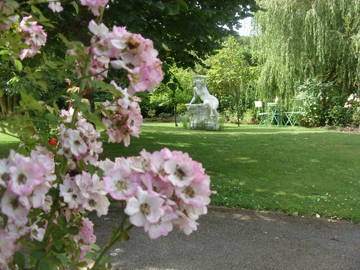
x=200, y=117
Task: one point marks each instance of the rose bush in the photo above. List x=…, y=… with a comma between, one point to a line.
x=51, y=183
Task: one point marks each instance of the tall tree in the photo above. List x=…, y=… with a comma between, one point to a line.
x=309, y=38
x=183, y=31
x=233, y=72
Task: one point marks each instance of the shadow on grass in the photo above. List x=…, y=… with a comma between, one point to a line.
x=296, y=170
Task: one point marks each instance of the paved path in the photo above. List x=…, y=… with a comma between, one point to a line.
x=242, y=239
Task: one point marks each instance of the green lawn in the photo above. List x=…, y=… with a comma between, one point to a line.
x=295, y=170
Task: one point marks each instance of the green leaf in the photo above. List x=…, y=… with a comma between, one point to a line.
x=93, y=118
x=82, y=264
x=76, y=6
x=160, y=5
x=95, y=247
x=52, y=118
x=103, y=86
x=64, y=39
x=182, y=4
x=165, y=47
x=38, y=12
x=37, y=254
x=29, y=102
x=18, y=65
x=4, y=52
x=62, y=221
x=58, y=244
x=172, y=86
x=48, y=25
x=20, y=260
x=13, y=3
x=73, y=230
x=45, y=265
x=62, y=257
x=59, y=233
x=173, y=9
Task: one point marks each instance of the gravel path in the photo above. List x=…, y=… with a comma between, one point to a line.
x=241, y=239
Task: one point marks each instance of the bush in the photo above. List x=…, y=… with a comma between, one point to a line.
x=322, y=104
x=151, y=113
x=339, y=116
x=181, y=108
x=184, y=120
x=249, y=117
x=352, y=107
x=221, y=122
x=164, y=115
x=229, y=116
x=356, y=117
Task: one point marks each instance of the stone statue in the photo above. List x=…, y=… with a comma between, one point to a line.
x=202, y=92
x=203, y=115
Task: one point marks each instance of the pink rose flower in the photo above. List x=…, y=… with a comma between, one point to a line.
x=33, y=35
x=94, y=5
x=55, y=7
x=145, y=207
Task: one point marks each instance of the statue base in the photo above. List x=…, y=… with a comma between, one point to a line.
x=200, y=117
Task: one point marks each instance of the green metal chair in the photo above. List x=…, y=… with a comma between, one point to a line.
x=293, y=116
x=274, y=113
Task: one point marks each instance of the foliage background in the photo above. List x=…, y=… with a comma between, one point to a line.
x=300, y=40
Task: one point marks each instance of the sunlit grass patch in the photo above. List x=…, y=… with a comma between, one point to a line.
x=291, y=169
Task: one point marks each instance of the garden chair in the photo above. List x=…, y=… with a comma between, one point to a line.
x=274, y=113
x=292, y=117
x=262, y=116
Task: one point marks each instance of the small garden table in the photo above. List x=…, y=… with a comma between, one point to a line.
x=292, y=118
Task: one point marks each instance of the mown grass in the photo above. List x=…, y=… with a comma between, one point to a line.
x=295, y=170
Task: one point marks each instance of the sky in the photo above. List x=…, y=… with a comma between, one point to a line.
x=246, y=27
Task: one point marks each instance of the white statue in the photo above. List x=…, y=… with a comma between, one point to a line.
x=202, y=92
x=203, y=115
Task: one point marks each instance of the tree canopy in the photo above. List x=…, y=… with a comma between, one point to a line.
x=183, y=31
x=308, y=39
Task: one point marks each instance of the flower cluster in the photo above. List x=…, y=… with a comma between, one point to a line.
x=55, y=6
x=33, y=36
x=85, y=238
x=98, y=67
x=45, y=196
x=128, y=51
x=122, y=118
x=7, y=16
x=8, y=247
x=94, y=5
x=84, y=192
x=24, y=184
x=161, y=189
x=79, y=143
x=352, y=100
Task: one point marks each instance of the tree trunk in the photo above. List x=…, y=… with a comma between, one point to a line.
x=16, y=100
x=9, y=104
x=175, y=115
x=238, y=115
x=174, y=102
x=2, y=105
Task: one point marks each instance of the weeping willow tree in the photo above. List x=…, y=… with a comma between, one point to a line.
x=301, y=39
